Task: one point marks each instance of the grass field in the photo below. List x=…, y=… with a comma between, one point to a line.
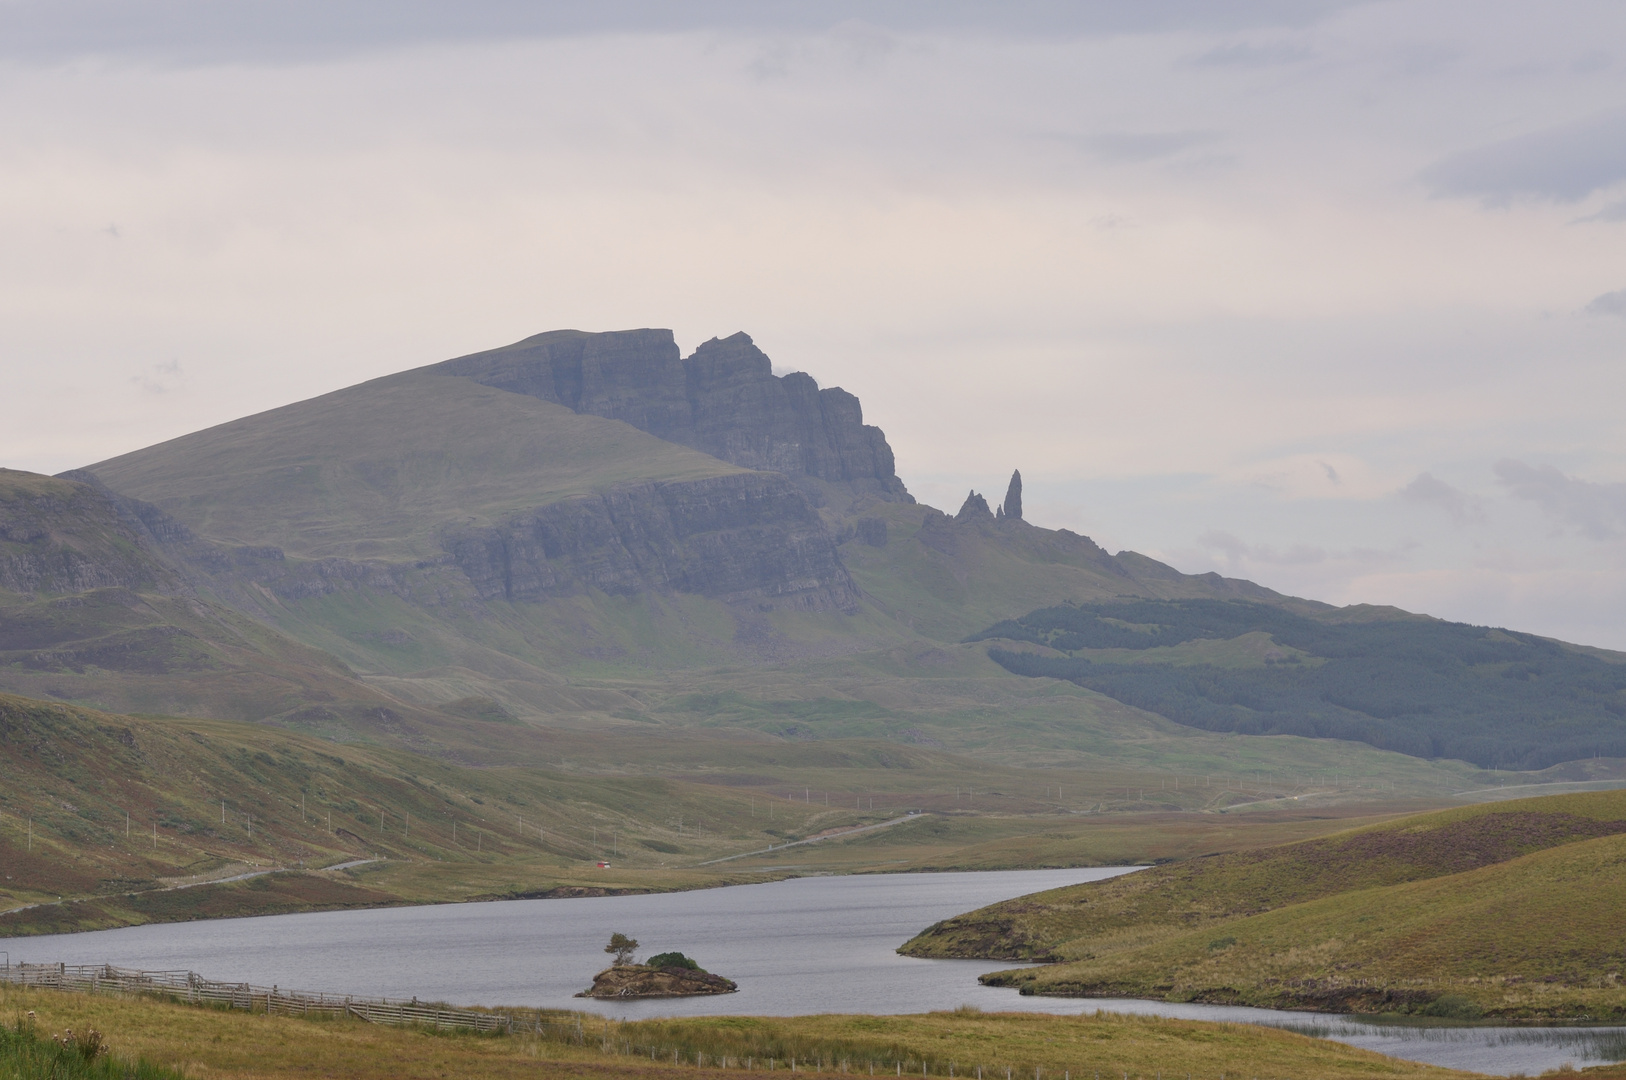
x=1509, y=909
x=216, y=1043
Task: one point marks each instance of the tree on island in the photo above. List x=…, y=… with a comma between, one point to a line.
x=622, y=947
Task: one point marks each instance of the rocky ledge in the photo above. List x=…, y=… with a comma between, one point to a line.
x=640, y=981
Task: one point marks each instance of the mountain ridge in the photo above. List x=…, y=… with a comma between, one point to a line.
x=549, y=526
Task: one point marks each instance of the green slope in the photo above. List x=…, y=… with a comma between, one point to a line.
x=1535, y=938
x=1512, y=908
x=1127, y=913
x=372, y=471
x=946, y=580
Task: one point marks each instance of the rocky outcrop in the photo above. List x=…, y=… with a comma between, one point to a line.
x=745, y=537
x=724, y=399
x=638, y=981
x=63, y=536
x=1012, y=508
x=973, y=510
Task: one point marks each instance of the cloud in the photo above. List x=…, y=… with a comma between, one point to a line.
x=1244, y=558
x=159, y=378
x=1238, y=552
x=1428, y=490
x=1247, y=55
x=1138, y=146
x=1563, y=164
x=278, y=30
x=1610, y=303
x=1615, y=211
x=1596, y=510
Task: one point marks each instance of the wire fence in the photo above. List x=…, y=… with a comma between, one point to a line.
x=191, y=987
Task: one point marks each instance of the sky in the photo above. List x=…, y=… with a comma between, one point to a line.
x=1329, y=295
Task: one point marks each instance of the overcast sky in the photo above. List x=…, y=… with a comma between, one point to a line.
x=1327, y=295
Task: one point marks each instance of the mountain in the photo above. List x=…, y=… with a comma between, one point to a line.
x=593, y=532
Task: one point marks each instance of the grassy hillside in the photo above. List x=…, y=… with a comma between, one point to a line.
x=1129, y=912
x=109, y=814
x=372, y=471
x=947, y=581
x=232, y=1044
x=1537, y=937
x=1509, y=906
x=1419, y=686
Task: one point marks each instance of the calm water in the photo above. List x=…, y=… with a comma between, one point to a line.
x=820, y=944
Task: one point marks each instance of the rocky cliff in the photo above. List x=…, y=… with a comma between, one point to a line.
x=745, y=537
x=61, y=536
x=723, y=399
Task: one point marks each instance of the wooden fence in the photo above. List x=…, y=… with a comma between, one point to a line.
x=191, y=987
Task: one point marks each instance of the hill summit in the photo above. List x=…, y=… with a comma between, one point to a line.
x=723, y=399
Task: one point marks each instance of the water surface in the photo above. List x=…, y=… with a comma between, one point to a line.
x=809, y=945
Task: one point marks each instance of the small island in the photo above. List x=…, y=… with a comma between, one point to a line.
x=669, y=974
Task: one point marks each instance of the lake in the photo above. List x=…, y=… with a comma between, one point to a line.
x=806, y=945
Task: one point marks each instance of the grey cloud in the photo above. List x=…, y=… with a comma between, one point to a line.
x=1596, y=510
x=1236, y=550
x=159, y=378
x=1429, y=490
x=1245, y=55
x=1564, y=164
x=270, y=30
x=1610, y=303
x=1138, y=146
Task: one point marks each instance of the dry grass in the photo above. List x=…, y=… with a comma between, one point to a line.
x=212, y=1044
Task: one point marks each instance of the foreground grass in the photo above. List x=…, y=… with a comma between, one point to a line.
x=27, y=1053
x=213, y=1043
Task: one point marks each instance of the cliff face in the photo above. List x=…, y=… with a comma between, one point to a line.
x=60, y=536
x=747, y=537
x=724, y=399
